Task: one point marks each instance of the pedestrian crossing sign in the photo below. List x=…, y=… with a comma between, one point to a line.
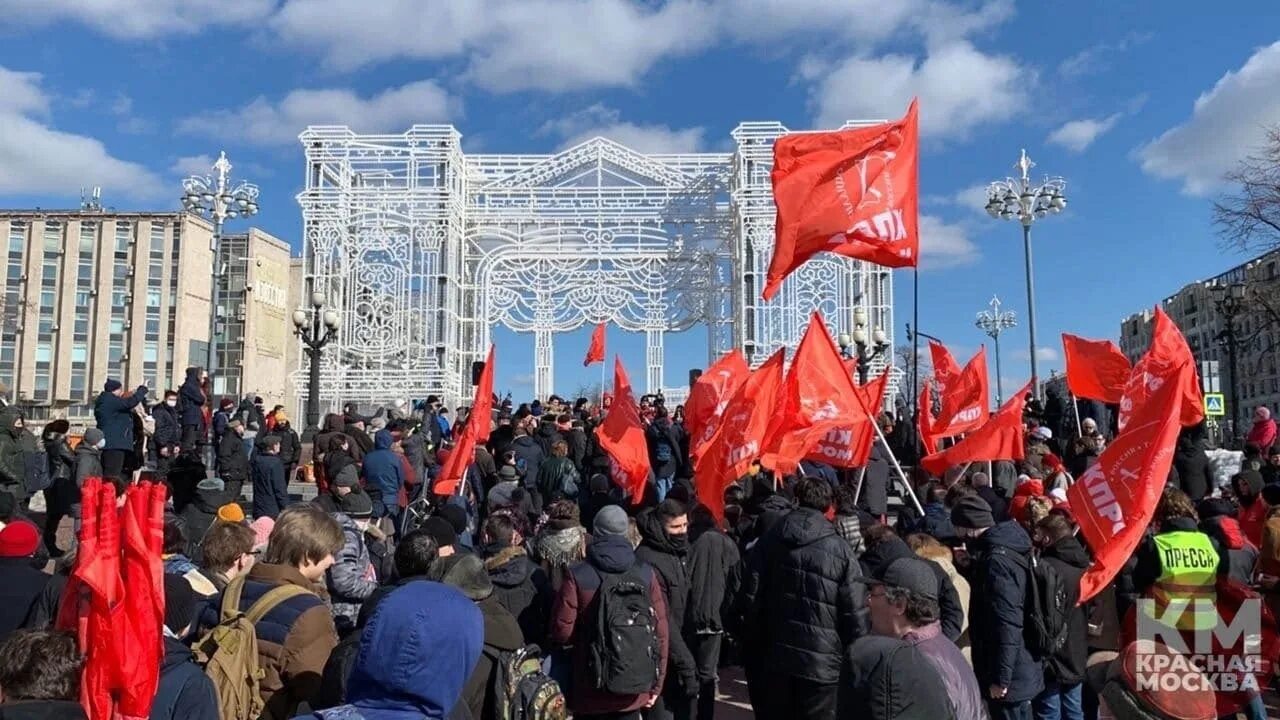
x=1214, y=405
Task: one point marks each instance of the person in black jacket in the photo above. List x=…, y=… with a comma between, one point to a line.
x=1192, y=465
x=199, y=514
x=578, y=446
x=999, y=557
x=62, y=498
x=290, y=445
x=270, y=488
x=520, y=584
x=113, y=413
x=994, y=497
x=1062, y=696
x=192, y=402
x=884, y=546
x=167, y=438
x=184, y=692
x=875, y=482
x=804, y=599
x=233, y=462
x=713, y=559
x=664, y=544
x=664, y=451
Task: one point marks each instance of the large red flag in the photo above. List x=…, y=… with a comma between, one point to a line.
x=945, y=367
x=963, y=400
x=850, y=445
x=143, y=576
x=1168, y=350
x=621, y=435
x=737, y=444
x=850, y=192
x=924, y=421
x=1115, y=499
x=708, y=398
x=1000, y=438
x=818, y=396
x=474, y=434
x=1096, y=369
x=595, y=352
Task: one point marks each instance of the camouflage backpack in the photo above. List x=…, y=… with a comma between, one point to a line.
x=521, y=690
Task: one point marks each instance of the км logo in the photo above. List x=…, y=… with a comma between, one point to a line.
x=1226, y=655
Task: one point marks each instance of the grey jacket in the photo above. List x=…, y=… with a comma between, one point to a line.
x=88, y=463
x=351, y=579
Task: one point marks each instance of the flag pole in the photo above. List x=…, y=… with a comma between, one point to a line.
x=1075, y=405
x=905, y=482
x=857, y=489
x=915, y=349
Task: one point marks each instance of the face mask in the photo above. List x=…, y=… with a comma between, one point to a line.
x=171, y=403
x=101, y=443
x=679, y=542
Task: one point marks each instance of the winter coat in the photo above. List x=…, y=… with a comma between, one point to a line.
x=1237, y=556
x=270, y=489
x=383, y=472
x=660, y=433
x=360, y=441
x=998, y=583
x=88, y=463
x=524, y=590
x=290, y=445
x=804, y=597
x=191, y=399
x=20, y=585
x=547, y=435
x=578, y=445
x=63, y=491
x=351, y=579
x=528, y=450
x=501, y=634
x=890, y=679
x=1261, y=436
x=294, y=638
x=951, y=666
x=184, y=692
x=875, y=482
x=875, y=560
x=1070, y=559
x=13, y=461
x=500, y=440
x=935, y=522
x=960, y=586
x=114, y=416
x=199, y=514
x=233, y=463
x=555, y=475
x=416, y=659
x=713, y=558
x=573, y=622
x=1194, y=474
x=168, y=432
x=849, y=527
x=670, y=557
x=332, y=432
x=997, y=500
x=42, y=710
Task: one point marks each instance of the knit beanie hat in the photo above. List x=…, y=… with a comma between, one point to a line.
x=467, y=573
x=262, y=528
x=357, y=505
x=440, y=530
x=231, y=512
x=92, y=437
x=973, y=512
x=179, y=603
x=610, y=520
x=111, y=385
x=456, y=516
x=19, y=539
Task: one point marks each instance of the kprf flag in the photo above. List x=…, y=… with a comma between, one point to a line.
x=924, y=421
x=850, y=192
x=1168, y=350
x=709, y=397
x=1000, y=438
x=818, y=396
x=475, y=433
x=621, y=435
x=849, y=445
x=595, y=351
x=945, y=367
x=1096, y=369
x=963, y=395
x=738, y=441
x=1115, y=499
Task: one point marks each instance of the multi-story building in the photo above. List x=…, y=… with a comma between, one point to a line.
x=256, y=307
x=1257, y=327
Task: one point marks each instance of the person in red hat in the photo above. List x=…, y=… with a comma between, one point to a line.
x=20, y=582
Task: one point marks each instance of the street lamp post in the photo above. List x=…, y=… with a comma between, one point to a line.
x=867, y=348
x=993, y=322
x=216, y=198
x=1229, y=302
x=315, y=331
x=1017, y=199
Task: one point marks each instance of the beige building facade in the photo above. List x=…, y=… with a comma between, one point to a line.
x=256, y=305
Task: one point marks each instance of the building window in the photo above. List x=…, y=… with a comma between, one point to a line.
x=11, y=301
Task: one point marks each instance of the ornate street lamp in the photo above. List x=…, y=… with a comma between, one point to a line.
x=993, y=322
x=1228, y=300
x=216, y=198
x=865, y=351
x=1017, y=199
x=315, y=330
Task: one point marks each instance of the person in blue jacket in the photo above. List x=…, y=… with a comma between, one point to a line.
x=383, y=473
x=113, y=412
x=415, y=656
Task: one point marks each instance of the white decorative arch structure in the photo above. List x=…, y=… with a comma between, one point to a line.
x=423, y=249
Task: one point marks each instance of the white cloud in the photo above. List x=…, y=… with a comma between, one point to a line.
x=137, y=19
x=603, y=121
x=266, y=122
x=1226, y=125
x=944, y=245
x=521, y=380
x=1077, y=135
x=192, y=165
x=1096, y=58
x=36, y=158
x=1044, y=354
x=959, y=88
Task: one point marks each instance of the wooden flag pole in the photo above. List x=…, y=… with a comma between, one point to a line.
x=905, y=482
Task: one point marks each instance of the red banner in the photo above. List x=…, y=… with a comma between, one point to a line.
x=595, y=352
x=737, y=444
x=1168, y=351
x=709, y=397
x=474, y=433
x=1001, y=438
x=924, y=422
x=1096, y=369
x=621, y=435
x=850, y=192
x=1115, y=499
x=945, y=367
x=964, y=399
x=850, y=445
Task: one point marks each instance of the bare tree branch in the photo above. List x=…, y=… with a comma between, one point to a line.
x=1248, y=218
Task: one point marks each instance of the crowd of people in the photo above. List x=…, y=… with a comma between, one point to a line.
x=540, y=590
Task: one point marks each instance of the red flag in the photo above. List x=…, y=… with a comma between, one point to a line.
x=595, y=352
x=475, y=433
x=621, y=435
x=708, y=398
x=1096, y=369
x=850, y=445
x=999, y=439
x=850, y=192
x=818, y=396
x=924, y=423
x=1168, y=350
x=945, y=367
x=143, y=576
x=964, y=402
x=1115, y=499
x=737, y=444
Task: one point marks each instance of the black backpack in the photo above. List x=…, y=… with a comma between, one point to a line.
x=623, y=654
x=1048, y=606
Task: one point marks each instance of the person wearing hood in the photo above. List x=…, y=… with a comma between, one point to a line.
x=113, y=412
x=1263, y=433
x=529, y=453
x=352, y=579
x=600, y=493
x=501, y=631
x=1239, y=556
x=999, y=557
x=270, y=487
x=383, y=474
x=1252, y=515
x=62, y=497
x=519, y=584
x=192, y=401
x=1194, y=474
x=664, y=545
x=1064, y=671
x=808, y=606
x=573, y=617
x=184, y=692
x=199, y=514
x=578, y=445
x=359, y=435
x=415, y=656
x=713, y=562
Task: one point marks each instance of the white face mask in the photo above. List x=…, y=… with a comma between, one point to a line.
x=101, y=443
x=171, y=403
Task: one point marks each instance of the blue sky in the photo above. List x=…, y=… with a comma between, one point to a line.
x=1141, y=109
